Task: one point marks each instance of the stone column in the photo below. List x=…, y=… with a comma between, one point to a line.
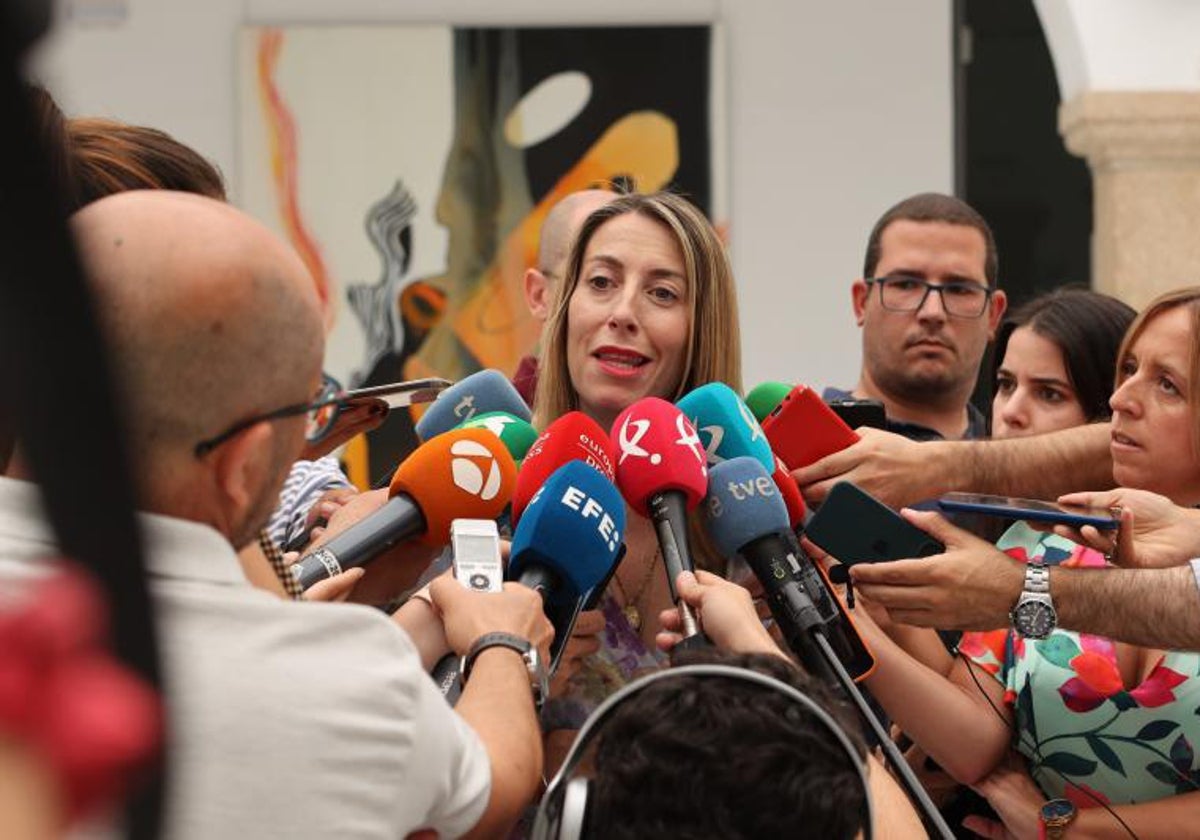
x=1144, y=152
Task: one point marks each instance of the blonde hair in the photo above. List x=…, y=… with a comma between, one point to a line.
x=1189, y=296
x=714, y=340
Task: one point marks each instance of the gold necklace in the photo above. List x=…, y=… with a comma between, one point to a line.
x=632, y=614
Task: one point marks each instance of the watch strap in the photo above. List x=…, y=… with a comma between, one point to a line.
x=490, y=640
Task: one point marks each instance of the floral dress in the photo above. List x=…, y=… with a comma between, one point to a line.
x=1084, y=734
x=621, y=659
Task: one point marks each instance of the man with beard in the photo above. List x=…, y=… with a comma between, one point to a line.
x=928, y=306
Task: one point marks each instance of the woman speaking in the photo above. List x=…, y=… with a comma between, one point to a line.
x=647, y=309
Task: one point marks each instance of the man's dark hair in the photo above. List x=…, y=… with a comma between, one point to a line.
x=933, y=207
x=707, y=756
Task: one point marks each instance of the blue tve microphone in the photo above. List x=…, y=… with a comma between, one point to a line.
x=480, y=393
x=567, y=544
x=726, y=425
x=746, y=515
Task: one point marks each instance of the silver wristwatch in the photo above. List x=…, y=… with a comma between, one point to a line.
x=1034, y=617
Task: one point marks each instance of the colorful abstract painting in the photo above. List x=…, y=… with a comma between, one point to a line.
x=411, y=168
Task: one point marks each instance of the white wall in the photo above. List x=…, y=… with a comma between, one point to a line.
x=836, y=110
x=1119, y=45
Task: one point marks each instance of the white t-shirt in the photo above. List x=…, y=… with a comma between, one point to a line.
x=287, y=720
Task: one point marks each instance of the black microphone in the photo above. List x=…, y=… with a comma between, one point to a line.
x=746, y=516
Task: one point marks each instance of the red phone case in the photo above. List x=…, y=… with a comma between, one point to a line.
x=802, y=429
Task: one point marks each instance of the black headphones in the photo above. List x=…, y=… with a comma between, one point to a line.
x=562, y=813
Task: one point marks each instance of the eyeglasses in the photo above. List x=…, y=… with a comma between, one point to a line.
x=322, y=412
x=900, y=293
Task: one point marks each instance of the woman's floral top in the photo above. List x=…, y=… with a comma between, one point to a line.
x=621, y=659
x=1084, y=734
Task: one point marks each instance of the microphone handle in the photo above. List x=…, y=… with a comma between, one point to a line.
x=541, y=579
x=398, y=520
x=775, y=564
x=447, y=677
x=668, y=511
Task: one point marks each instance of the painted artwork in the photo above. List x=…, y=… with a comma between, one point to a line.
x=411, y=168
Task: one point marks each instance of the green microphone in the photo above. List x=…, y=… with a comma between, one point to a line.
x=516, y=434
x=765, y=398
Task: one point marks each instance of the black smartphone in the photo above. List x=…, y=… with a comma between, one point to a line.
x=855, y=527
x=1035, y=510
x=858, y=413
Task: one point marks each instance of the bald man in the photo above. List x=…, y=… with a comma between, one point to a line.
x=286, y=720
x=557, y=237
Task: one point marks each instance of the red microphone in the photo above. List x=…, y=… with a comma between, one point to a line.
x=572, y=437
x=662, y=473
x=790, y=493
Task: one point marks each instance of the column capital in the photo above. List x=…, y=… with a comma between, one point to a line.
x=1133, y=129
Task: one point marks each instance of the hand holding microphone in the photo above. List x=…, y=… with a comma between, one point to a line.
x=726, y=612
x=565, y=546
x=662, y=475
x=746, y=516
x=466, y=473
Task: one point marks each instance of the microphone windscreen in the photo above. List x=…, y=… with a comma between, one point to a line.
x=658, y=450
x=462, y=474
x=572, y=437
x=484, y=391
x=766, y=397
x=516, y=434
x=789, y=492
x=742, y=505
x=573, y=526
x=726, y=427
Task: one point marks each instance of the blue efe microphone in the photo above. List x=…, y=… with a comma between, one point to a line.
x=746, y=515
x=567, y=544
x=726, y=425
x=569, y=536
x=479, y=393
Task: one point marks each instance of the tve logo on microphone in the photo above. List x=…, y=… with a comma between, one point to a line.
x=468, y=467
x=741, y=491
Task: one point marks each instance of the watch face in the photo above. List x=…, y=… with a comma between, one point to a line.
x=1035, y=619
x=1057, y=809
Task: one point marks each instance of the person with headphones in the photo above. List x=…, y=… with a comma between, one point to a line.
x=733, y=742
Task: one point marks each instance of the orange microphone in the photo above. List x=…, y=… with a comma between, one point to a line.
x=461, y=474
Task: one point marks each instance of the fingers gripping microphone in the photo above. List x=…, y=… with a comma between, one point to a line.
x=572, y=437
x=464, y=474
x=662, y=475
x=726, y=427
x=482, y=392
x=567, y=543
x=746, y=515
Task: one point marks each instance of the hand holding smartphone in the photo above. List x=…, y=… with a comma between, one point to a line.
x=852, y=526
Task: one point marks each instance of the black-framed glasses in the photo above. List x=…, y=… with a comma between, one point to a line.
x=322, y=412
x=901, y=293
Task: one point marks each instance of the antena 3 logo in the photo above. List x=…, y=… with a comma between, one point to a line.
x=474, y=469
